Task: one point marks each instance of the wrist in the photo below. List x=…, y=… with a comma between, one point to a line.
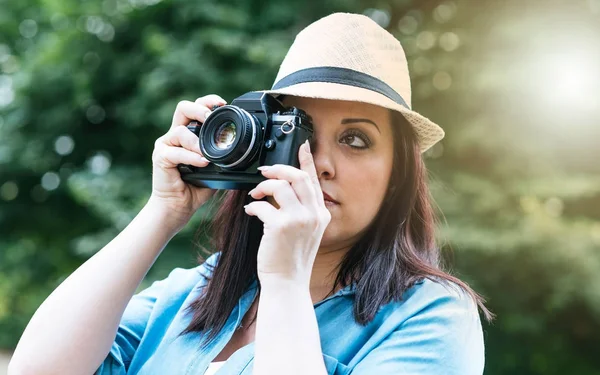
x=170, y=219
x=277, y=282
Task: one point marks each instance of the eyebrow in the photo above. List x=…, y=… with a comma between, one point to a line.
x=354, y=120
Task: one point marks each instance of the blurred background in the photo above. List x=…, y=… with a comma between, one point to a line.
x=87, y=86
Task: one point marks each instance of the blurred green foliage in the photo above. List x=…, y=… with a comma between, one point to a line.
x=87, y=86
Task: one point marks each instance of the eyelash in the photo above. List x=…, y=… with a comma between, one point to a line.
x=360, y=135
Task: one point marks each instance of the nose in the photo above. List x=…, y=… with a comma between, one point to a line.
x=323, y=158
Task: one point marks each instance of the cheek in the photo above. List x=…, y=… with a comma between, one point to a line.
x=365, y=188
x=364, y=184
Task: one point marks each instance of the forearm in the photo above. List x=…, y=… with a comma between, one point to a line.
x=73, y=330
x=287, y=333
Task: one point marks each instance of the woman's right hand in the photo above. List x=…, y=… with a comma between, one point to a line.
x=180, y=146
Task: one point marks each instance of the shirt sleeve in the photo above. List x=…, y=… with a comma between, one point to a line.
x=445, y=337
x=135, y=319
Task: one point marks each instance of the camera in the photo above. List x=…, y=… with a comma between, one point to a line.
x=254, y=130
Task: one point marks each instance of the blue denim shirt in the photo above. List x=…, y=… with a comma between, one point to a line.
x=434, y=330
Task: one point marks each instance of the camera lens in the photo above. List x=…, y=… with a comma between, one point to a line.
x=225, y=135
x=230, y=137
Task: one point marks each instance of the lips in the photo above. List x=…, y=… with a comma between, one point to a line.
x=327, y=197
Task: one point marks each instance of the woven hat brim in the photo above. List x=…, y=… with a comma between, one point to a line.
x=428, y=133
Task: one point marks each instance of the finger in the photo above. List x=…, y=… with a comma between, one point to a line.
x=280, y=190
x=211, y=100
x=263, y=210
x=187, y=111
x=307, y=164
x=181, y=137
x=300, y=181
x=169, y=157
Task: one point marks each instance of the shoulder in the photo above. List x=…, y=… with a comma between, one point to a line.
x=446, y=313
x=434, y=329
x=435, y=310
x=182, y=281
x=431, y=309
x=441, y=294
x=431, y=302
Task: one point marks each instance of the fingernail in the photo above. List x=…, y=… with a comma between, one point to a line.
x=263, y=168
x=250, y=192
x=207, y=113
x=307, y=146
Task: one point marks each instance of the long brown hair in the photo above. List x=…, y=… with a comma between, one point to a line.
x=398, y=249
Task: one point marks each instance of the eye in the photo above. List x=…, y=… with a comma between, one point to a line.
x=356, y=139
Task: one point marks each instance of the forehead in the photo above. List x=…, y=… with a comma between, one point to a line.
x=336, y=110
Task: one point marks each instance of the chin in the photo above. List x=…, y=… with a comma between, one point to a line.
x=339, y=235
x=333, y=236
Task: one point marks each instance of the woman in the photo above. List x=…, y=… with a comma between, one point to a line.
x=336, y=273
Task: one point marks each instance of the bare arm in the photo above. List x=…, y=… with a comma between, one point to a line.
x=287, y=331
x=73, y=330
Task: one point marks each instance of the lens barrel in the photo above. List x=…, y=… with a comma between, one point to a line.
x=230, y=137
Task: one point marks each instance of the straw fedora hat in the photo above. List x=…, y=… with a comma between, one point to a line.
x=348, y=56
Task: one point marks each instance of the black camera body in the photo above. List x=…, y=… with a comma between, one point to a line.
x=254, y=130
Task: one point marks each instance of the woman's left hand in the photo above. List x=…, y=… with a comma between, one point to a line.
x=292, y=232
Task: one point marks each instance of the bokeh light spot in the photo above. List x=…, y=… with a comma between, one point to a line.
x=94, y=24
x=59, y=21
x=7, y=94
x=380, y=16
x=50, y=181
x=124, y=7
x=408, y=25
x=4, y=53
x=444, y=12
x=28, y=28
x=64, y=145
x=99, y=164
x=10, y=65
x=449, y=41
x=107, y=34
x=425, y=40
x=529, y=204
x=9, y=191
x=109, y=7
x=95, y=114
x=91, y=60
x=442, y=81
